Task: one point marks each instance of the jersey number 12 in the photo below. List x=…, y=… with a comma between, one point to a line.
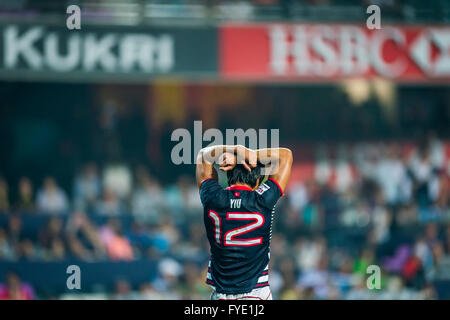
x=229, y=238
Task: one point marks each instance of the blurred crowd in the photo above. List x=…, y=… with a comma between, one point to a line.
x=369, y=204
x=233, y=9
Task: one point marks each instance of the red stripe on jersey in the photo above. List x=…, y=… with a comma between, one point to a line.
x=235, y=187
x=200, y=186
x=262, y=284
x=281, y=190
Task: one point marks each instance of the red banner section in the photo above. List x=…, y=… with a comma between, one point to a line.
x=327, y=52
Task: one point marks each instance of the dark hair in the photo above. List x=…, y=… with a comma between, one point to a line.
x=240, y=175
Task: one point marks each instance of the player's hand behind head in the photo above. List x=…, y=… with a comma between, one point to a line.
x=247, y=157
x=227, y=161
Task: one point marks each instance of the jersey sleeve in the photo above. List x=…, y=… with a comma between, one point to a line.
x=268, y=193
x=212, y=194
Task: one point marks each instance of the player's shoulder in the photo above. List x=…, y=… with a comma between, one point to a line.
x=269, y=185
x=268, y=193
x=208, y=182
x=212, y=194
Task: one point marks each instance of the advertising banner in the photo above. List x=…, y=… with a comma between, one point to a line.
x=267, y=52
x=328, y=52
x=98, y=52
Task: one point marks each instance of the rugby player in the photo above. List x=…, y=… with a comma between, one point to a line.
x=238, y=219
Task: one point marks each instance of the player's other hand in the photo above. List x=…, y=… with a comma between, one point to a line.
x=247, y=157
x=227, y=161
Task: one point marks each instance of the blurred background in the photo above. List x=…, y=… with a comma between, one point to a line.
x=86, y=118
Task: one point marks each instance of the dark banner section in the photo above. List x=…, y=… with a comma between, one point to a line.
x=43, y=52
x=222, y=309
x=52, y=277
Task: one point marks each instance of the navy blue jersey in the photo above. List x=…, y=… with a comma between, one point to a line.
x=238, y=224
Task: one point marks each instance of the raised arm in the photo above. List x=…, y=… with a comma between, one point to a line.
x=226, y=156
x=280, y=160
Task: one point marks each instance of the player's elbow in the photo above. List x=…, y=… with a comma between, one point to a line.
x=287, y=156
x=200, y=156
x=204, y=156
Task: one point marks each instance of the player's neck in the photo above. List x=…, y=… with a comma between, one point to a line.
x=243, y=185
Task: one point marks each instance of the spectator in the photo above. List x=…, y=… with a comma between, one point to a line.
x=424, y=176
x=27, y=251
x=110, y=205
x=118, y=179
x=51, y=199
x=15, y=230
x=147, y=292
x=390, y=173
x=169, y=271
x=192, y=284
x=51, y=232
x=15, y=289
x=117, y=246
x=6, y=250
x=183, y=196
x=79, y=226
x=148, y=201
x=87, y=187
x=123, y=291
x=25, y=202
x=4, y=201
